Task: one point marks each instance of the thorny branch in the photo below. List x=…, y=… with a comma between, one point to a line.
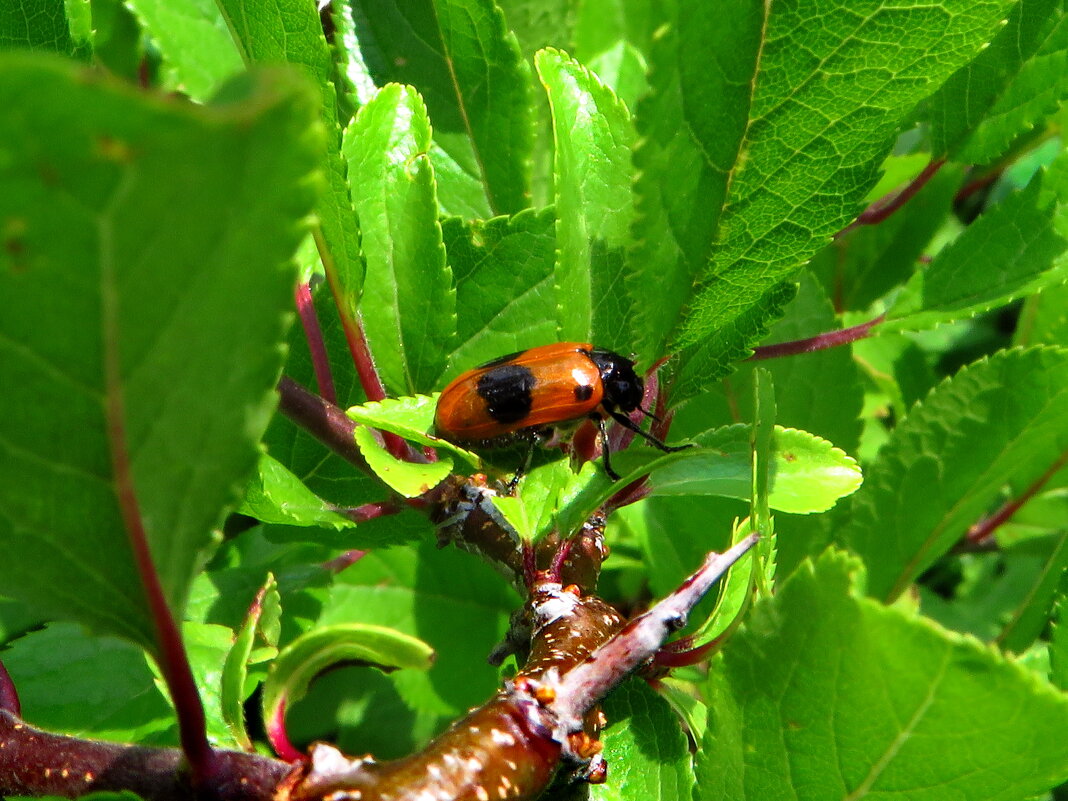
x=541, y=727
x=541, y=724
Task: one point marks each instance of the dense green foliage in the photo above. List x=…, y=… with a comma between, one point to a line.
x=668, y=178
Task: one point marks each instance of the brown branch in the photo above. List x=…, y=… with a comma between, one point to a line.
x=33, y=762
x=323, y=420
x=512, y=746
x=831, y=339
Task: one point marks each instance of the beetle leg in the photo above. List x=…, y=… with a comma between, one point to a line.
x=531, y=439
x=605, y=449
x=629, y=424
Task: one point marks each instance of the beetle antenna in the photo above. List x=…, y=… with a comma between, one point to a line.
x=629, y=424
x=648, y=413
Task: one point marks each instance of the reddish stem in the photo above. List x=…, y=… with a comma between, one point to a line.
x=885, y=206
x=323, y=420
x=975, y=185
x=683, y=656
x=984, y=530
x=277, y=736
x=369, y=511
x=347, y=559
x=362, y=359
x=9, y=695
x=170, y=651
x=831, y=339
x=313, y=334
x=34, y=762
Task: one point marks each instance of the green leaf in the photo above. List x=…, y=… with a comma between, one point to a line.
x=1044, y=320
x=282, y=32
x=819, y=392
x=275, y=495
x=1002, y=418
x=736, y=588
x=593, y=135
x=461, y=58
x=646, y=749
x=42, y=25
x=675, y=533
x=1030, y=616
x=761, y=433
x=1058, y=647
x=411, y=418
x=192, y=37
x=701, y=365
x=1010, y=252
x=807, y=473
x=623, y=69
x=505, y=295
x=850, y=75
x=540, y=23
x=457, y=604
x=709, y=107
x=408, y=478
x=408, y=304
x=207, y=646
x=1007, y=89
x=101, y=688
x=313, y=653
x=868, y=261
x=824, y=694
x=147, y=288
x=233, y=690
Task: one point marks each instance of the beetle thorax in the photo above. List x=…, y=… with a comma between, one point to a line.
x=622, y=387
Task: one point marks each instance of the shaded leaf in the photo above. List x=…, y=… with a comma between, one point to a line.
x=121, y=312
x=275, y=495
x=593, y=138
x=408, y=305
x=101, y=688
x=306, y=657
x=645, y=747
x=43, y=25
x=1002, y=418
x=1009, y=252
x=467, y=67
x=456, y=604
x=826, y=694
x=192, y=37
x=282, y=32
x=505, y=295
x=1007, y=88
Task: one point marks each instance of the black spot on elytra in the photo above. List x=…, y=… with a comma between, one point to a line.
x=506, y=390
x=583, y=392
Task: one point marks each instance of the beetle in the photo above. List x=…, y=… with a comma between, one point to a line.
x=523, y=394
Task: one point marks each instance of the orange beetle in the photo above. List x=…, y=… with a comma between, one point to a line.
x=524, y=393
